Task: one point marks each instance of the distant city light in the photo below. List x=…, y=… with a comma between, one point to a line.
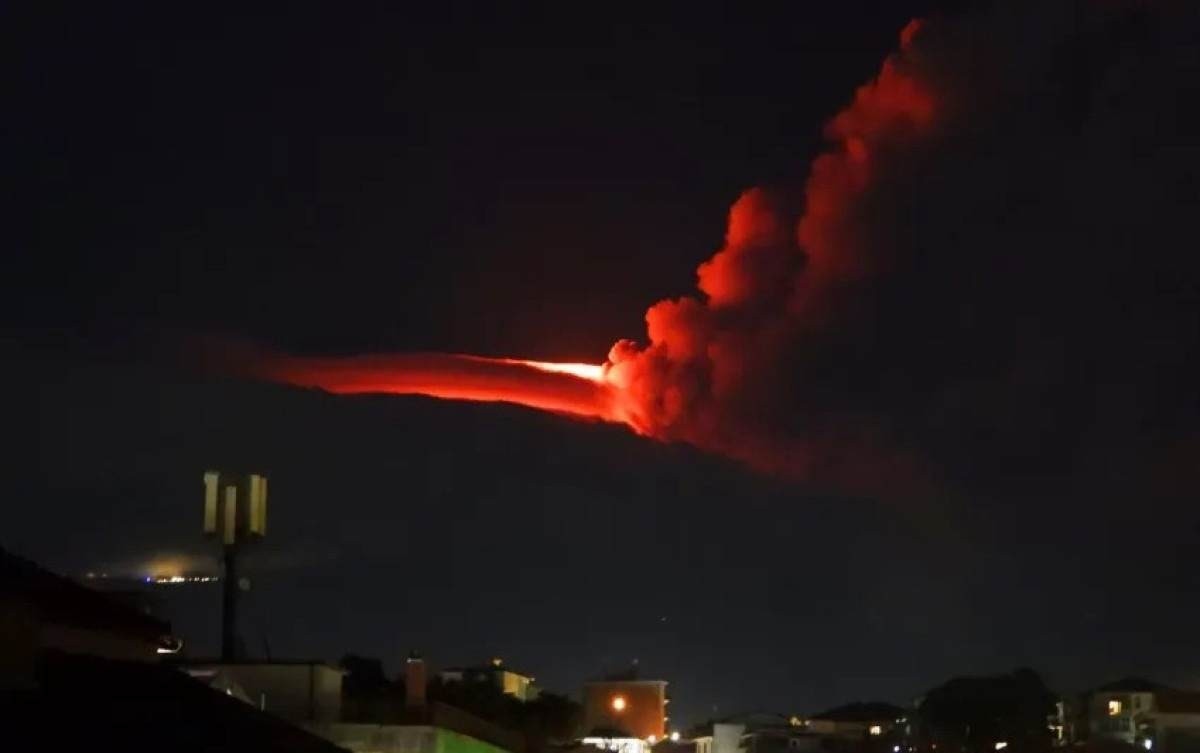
x=895, y=749
x=618, y=703
x=675, y=737
x=1147, y=743
x=619, y=744
x=875, y=730
x=176, y=579
x=652, y=739
x=1001, y=745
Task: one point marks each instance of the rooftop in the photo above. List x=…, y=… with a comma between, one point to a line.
x=872, y=711
x=138, y=706
x=62, y=601
x=493, y=666
x=1131, y=685
x=197, y=663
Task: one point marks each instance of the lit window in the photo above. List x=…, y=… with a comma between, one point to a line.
x=1114, y=707
x=875, y=729
x=618, y=703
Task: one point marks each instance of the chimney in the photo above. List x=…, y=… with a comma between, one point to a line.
x=414, y=682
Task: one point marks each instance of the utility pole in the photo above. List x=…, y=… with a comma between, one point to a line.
x=234, y=525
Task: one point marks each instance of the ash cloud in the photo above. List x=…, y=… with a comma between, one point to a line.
x=992, y=275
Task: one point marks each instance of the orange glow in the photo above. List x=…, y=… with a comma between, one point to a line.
x=591, y=371
x=166, y=566
x=618, y=703
x=569, y=388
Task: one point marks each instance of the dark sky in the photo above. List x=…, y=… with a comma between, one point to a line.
x=505, y=182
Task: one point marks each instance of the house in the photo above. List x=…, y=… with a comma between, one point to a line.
x=296, y=690
x=510, y=682
x=312, y=696
x=408, y=723
x=1141, y=712
x=756, y=733
x=858, y=721
x=636, y=707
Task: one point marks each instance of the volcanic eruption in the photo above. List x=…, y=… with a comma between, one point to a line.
x=939, y=298
x=693, y=379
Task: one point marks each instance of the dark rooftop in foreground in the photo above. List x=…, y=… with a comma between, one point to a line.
x=62, y=601
x=139, y=706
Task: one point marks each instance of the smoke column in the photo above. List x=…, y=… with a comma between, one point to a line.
x=718, y=369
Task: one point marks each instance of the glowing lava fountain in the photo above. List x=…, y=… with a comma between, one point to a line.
x=576, y=389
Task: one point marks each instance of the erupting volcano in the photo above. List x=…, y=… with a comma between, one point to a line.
x=712, y=365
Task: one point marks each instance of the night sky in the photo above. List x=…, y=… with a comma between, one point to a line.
x=526, y=183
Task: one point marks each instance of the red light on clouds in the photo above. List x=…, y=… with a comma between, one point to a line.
x=702, y=377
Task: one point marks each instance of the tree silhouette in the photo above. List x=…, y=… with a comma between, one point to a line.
x=973, y=714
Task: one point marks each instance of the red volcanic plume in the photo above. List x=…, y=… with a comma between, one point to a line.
x=710, y=359
x=711, y=374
